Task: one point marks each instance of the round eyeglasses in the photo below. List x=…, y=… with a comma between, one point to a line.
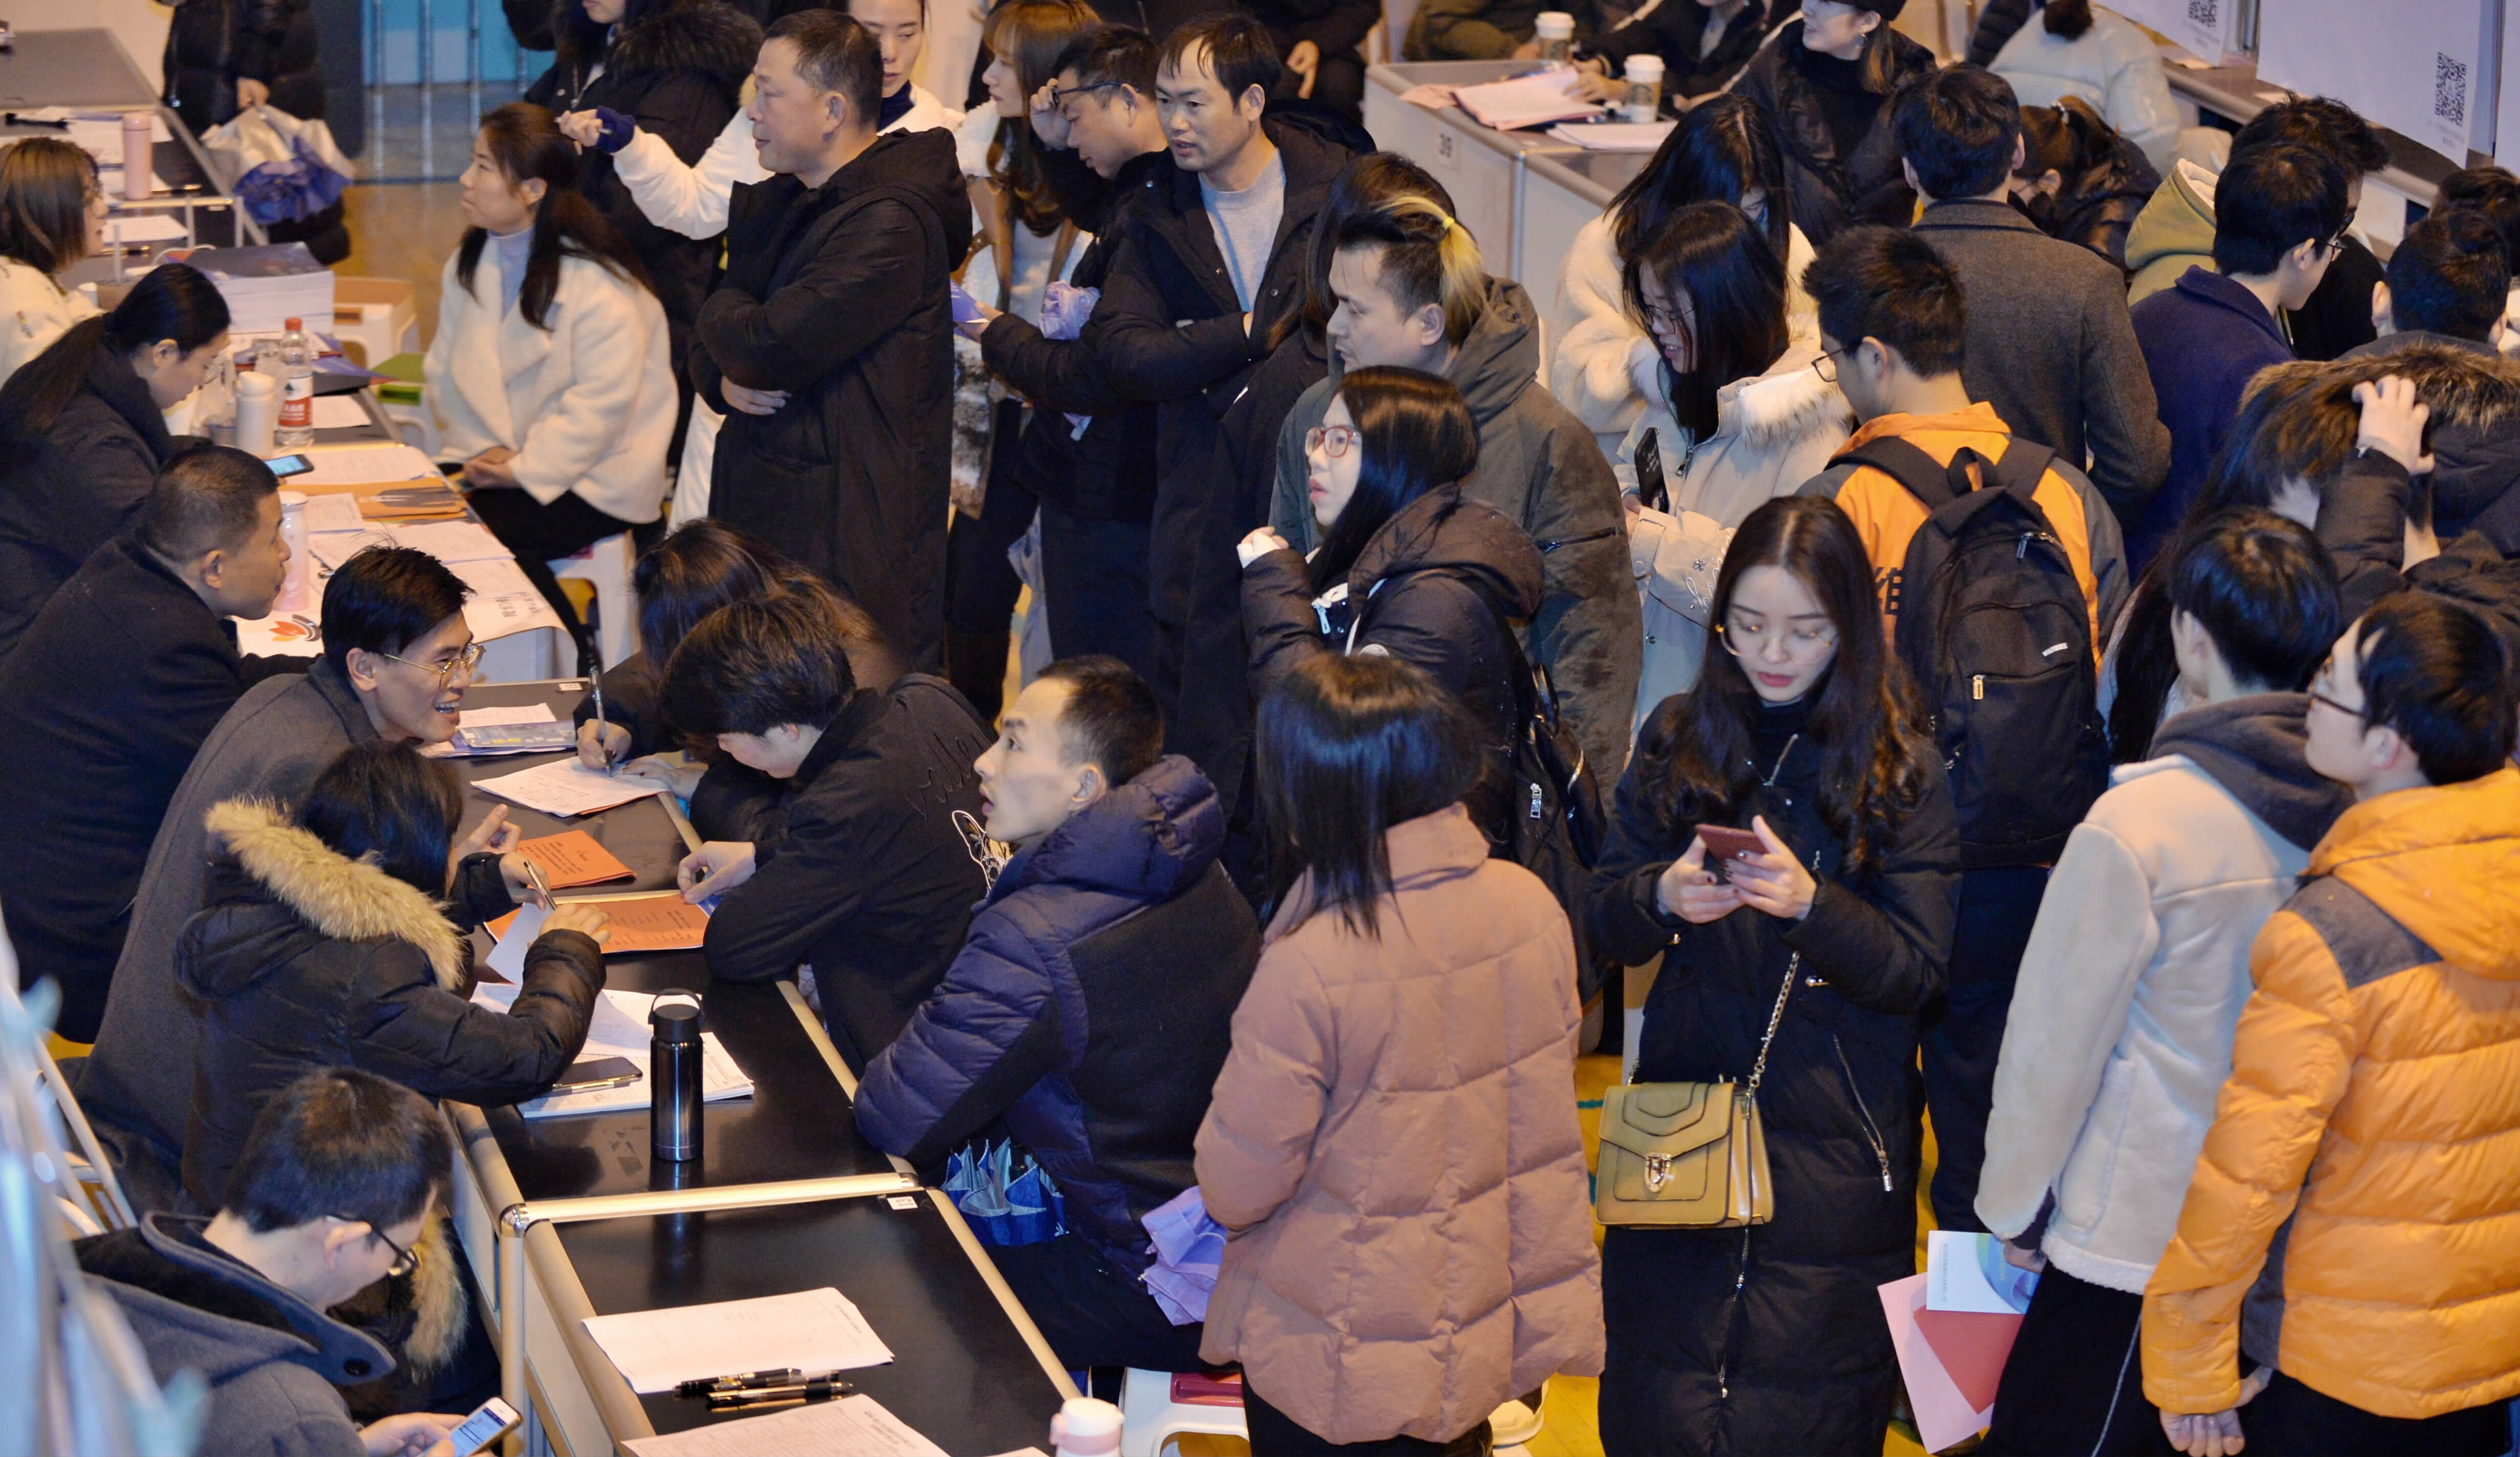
x=465, y=661
x=1330, y=440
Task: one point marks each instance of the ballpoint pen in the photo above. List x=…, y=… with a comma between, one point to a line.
x=821, y=1388
x=600, y=746
x=534, y=878
x=743, y=1381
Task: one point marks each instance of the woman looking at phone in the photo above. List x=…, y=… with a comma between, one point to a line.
x=1804, y=732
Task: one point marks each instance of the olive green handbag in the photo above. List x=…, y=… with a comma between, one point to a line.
x=1688, y=1155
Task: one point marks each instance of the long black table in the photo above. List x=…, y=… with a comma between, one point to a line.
x=567, y=1218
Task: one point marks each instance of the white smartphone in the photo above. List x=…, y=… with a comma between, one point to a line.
x=482, y=1428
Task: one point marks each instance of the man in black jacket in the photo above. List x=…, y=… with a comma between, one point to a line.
x=1100, y=145
x=829, y=345
x=1211, y=259
x=117, y=683
x=871, y=879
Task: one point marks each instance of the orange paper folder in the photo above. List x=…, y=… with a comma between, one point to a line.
x=572, y=858
x=660, y=921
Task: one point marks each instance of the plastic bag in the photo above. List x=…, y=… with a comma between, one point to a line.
x=1004, y=1206
x=288, y=168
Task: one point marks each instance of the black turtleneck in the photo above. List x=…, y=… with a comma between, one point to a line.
x=1774, y=728
x=1838, y=86
x=894, y=107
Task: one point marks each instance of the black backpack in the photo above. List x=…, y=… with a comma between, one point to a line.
x=1994, y=629
x=1554, y=802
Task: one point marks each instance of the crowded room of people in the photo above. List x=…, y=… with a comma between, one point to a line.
x=1418, y=728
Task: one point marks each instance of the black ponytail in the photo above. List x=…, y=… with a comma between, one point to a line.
x=172, y=301
x=527, y=145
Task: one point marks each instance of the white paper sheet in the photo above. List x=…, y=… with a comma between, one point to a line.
x=566, y=788
x=812, y=1330
x=333, y=510
x=364, y=464
x=618, y=1029
x=503, y=602
x=1526, y=101
x=452, y=542
x=1615, y=136
x=340, y=413
x=851, y=1427
x=508, y=958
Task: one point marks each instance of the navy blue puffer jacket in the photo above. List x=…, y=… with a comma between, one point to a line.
x=1091, y=1007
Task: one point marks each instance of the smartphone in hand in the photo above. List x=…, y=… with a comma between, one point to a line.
x=1725, y=846
x=1650, y=488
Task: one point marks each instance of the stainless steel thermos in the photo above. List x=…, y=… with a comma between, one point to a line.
x=674, y=1077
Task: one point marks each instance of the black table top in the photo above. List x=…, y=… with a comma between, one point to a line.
x=795, y=1125
x=961, y=1374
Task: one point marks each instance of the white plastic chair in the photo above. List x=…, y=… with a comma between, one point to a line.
x=1148, y=1415
x=606, y=565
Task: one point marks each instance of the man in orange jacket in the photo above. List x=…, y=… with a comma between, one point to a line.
x=1894, y=324
x=2354, y=1225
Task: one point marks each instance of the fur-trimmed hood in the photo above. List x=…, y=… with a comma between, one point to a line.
x=2474, y=395
x=339, y=897
x=1784, y=407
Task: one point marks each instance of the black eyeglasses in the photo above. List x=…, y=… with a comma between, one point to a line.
x=1825, y=367
x=2315, y=696
x=405, y=1260
x=1058, y=94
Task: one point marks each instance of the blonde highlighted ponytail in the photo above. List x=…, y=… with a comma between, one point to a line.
x=1428, y=257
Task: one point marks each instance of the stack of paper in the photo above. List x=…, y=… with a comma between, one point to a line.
x=267, y=287
x=851, y=1427
x=1526, y=101
x=618, y=1029
x=1615, y=136
x=572, y=858
x=503, y=600
x=642, y=921
x=811, y=1330
x=345, y=466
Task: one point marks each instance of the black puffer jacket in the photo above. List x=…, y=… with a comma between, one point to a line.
x=1771, y=1338
x=77, y=484
x=1426, y=590
x=2474, y=395
x=211, y=43
x=1676, y=33
x=677, y=74
x=836, y=294
x=2094, y=209
x=304, y=959
x=1833, y=191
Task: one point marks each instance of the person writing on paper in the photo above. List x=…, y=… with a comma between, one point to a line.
x=1803, y=731
x=123, y=674
x=871, y=878
x=552, y=369
x=322, y=944
x=83, y=430
x=397, y=657
x=699, y=568
x=52, y=215
x=1114, y=903
x=336, y=1183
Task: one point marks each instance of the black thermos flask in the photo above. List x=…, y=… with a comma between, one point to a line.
x=674, y=1077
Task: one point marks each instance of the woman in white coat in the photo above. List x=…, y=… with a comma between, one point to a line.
x=1722, y=151
x=550, y=373
x=1736, y=415
x=690, y=198
x=51, y=214
x=2079, y=48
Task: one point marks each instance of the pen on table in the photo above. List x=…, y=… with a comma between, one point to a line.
x=776, y=1376
x=534, y=878
x=14, y=119
x=812, y=1391
x=601, y=746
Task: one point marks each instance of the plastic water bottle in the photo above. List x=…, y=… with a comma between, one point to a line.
x=1084, y=1428
x=294, y=594
x=296, y=371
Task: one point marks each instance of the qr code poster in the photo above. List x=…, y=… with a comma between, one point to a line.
x=2418, y=74
x=2201, y=27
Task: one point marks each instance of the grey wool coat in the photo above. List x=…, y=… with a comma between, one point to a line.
x=2051, y=346
x=1544, y=469
x=138, y=1082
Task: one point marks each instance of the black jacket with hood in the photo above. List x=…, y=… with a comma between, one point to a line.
x=1543, y=468
x=677, y=74
x=1434, y=587
x=869, y=879
x=302, y=959
x=1832, y=191
x=2474, y=395
x=1676, y=33
x=836, y=294
x=67, y=489
x=1771, y=1338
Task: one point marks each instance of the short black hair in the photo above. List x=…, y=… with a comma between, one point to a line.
x=2449, y=276
x=752, y=665
x=1890, y=284
x=2323, y=126
x=837, y=54
x=341, y=1144
x=2491, y=193
x=2272, y=199
x=1109, y=54
x=380, y=800
x=383, y=599
x=2434, y=670
x=1111, y=719
x=207, y=499
x=1958, y=127
x=2265, y=591
x=1240, y=53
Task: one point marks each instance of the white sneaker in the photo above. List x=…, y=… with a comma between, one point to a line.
x=1517, y=1422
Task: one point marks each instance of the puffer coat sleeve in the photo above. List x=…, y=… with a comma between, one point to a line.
x=405, y=1027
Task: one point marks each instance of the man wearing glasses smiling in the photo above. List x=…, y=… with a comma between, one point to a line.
x=397, y=658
